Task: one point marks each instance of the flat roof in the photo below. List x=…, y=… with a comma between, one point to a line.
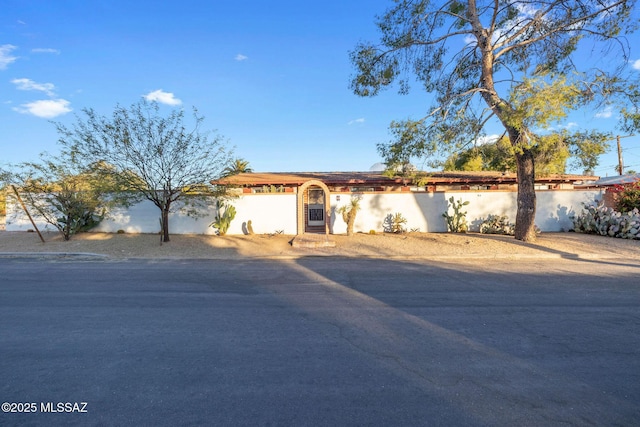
x=377, y=178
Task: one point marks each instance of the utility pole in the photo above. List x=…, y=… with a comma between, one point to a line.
x=620, y=164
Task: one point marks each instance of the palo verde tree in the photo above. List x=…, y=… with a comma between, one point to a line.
x=512, y=63
x=157, y=157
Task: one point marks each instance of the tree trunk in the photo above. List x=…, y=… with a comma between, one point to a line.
x=350, y=222
x=66, y=230
x=165, y=223
x=526, y=214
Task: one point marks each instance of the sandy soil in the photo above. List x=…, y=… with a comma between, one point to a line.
x=409, y=245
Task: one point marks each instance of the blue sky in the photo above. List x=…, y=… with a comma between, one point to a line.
x=271, y=77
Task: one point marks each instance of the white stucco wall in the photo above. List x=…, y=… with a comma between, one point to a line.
x=275, y=212
x=423, y=211
x=268, y=213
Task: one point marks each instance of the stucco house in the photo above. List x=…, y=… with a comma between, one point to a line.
x=318, y=193
x=307, y=202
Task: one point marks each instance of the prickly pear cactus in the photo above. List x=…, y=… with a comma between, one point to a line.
x=598, y=219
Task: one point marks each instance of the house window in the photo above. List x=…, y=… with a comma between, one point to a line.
x=316, y=196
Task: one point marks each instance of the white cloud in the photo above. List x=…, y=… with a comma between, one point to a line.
x=47, y=108
x=5, y=55
x=567, y=126
x=241, y=57
x=487, y=139
x=45, y=50
x=636, y=64
x=605, y=113
x=162, y=97
x=356, y=121
x=28, y=84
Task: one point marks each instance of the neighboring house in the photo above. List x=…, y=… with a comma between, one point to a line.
x=608, y=183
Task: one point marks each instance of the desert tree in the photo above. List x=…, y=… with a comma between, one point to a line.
x=71, y=197
x=551, y=154
x=514, y=64
x=4, y=179
x=162, y=158
x=349, y=212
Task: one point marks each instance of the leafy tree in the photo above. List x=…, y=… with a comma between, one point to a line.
x=155, y=156
x=64, y=194
x=502, y=61
x=236, y=167
x=587, y=147
x=550, y=154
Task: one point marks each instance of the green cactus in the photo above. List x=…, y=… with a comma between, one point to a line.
x=226, y=214
x=456, y=223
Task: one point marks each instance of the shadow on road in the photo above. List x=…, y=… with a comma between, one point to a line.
x=323, y=341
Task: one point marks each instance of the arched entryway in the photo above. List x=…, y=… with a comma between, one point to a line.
x=314, y=206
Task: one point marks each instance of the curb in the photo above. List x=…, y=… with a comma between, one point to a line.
x=443, y=258
x=56, y=255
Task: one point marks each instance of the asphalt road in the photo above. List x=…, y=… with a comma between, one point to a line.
x=320, y=341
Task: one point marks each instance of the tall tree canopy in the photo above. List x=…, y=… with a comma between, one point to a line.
x=155, y=156
x=515, y=63
x=551, y=154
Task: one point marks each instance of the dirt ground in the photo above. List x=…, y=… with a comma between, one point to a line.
x=382, y=245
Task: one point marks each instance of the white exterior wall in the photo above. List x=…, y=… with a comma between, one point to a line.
x=273, y=212
x=424, y=210
x=268, y=213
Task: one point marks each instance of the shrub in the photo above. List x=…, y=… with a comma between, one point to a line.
x=497, y=224
x=627, y=197
x=598, y=219
x=395, y=223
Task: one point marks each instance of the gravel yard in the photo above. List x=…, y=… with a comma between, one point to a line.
x=382, y=245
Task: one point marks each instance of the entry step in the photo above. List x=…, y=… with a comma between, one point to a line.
x=313, y=241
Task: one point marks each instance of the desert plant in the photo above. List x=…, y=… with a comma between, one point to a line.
x=497, y=224
x=395, y=223
x=68, y=195
x=456, y=223
x=599, y=219
x=349, y=213
x=226, y=214
x=155, y=154
x=627, y=197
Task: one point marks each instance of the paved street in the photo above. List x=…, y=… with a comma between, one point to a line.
x=320, y=341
